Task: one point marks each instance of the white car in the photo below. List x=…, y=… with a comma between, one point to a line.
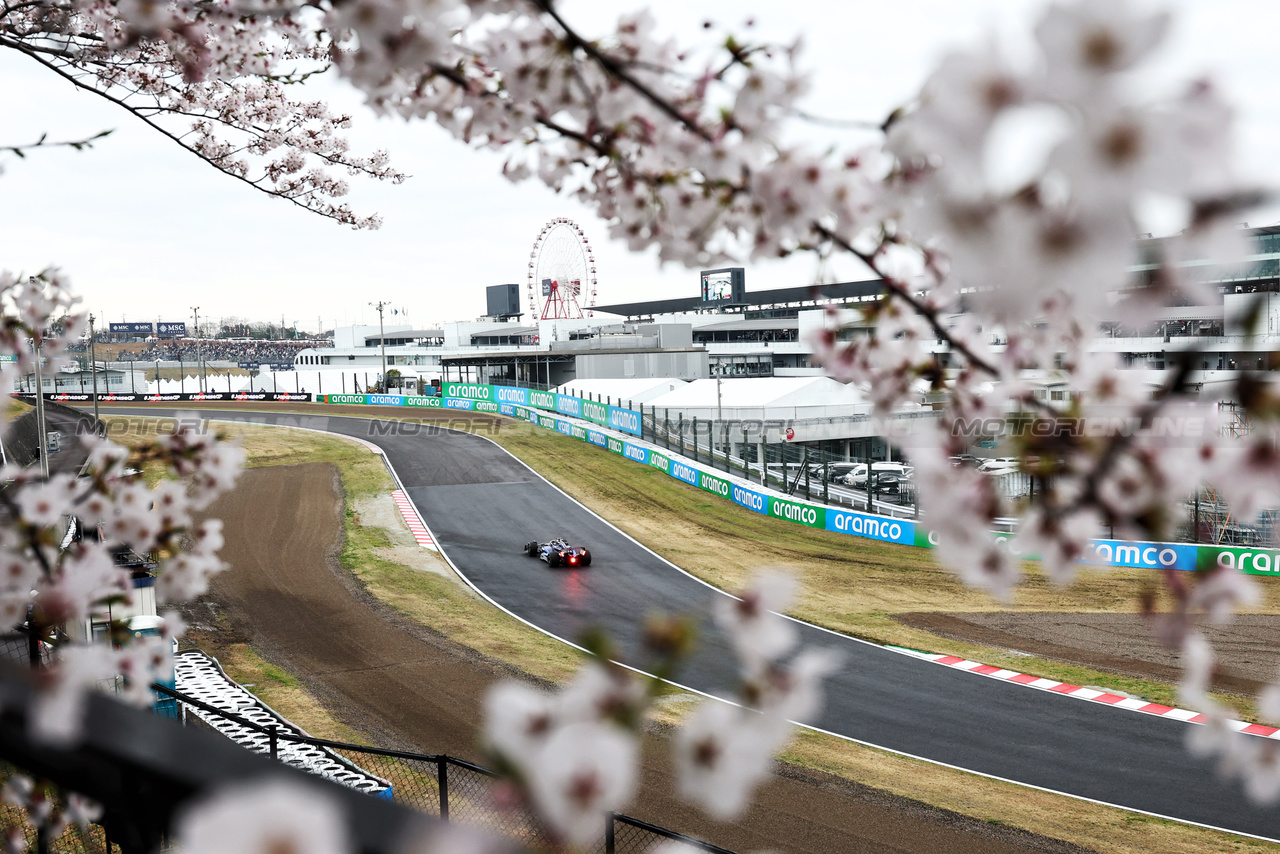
x=998, y=465
x=886, y=470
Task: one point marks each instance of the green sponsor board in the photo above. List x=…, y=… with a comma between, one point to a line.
x=345, y=398
x=616, y=445
x=715, y=485
x=1247, y=560
x=546, y=421
x=801, y=514
x=924, y=537
x=542, y=399
x=429, y=402
x=660, y=461
x=486, y=406
x=468, y=391
x=596, y=413
x=579, y=432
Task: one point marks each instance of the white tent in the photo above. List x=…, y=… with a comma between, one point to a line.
x=764, y=398
x=632, y=391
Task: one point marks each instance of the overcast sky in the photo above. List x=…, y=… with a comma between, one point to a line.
x=146, y=231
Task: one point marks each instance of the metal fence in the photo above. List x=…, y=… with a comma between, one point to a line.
x=796, y=469
x=440, y=785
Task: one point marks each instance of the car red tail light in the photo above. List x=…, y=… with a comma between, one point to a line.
x=573, y=560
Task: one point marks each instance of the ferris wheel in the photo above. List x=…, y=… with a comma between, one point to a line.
x=562, y=272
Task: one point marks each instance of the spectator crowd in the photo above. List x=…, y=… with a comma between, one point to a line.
x=185, y=350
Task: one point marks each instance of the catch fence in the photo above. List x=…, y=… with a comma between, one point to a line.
x=453, y=789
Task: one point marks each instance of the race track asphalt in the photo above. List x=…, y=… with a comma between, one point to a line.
x=483, y=505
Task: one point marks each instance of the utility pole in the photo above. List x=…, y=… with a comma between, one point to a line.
x=43, y=440
x=199, y=361
x=93, y=360
x=382, y=340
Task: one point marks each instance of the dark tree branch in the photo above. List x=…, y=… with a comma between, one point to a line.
x=43, y=142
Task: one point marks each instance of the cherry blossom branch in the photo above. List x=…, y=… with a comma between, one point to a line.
x=309, y=195
x=616, y=70
x=44, y=142
x=902, y=292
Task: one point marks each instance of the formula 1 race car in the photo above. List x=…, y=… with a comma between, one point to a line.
x=558, y=552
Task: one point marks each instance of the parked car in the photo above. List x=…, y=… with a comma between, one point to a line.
x=883, y=474
x=998, y=465
x=835, y=472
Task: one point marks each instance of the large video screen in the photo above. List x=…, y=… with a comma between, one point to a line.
x=717, y=286
x=726, y=286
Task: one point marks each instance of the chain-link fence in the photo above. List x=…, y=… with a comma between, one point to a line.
x=16, y=823
x=440, y=785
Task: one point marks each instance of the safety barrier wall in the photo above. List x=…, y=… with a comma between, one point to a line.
x=142, y=397
x=532, y=405
x=487, y=398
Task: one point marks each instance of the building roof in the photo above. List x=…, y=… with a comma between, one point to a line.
x=774, y=296
x=630, y=390
x=761, y=392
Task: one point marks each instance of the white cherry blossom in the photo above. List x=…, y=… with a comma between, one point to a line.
x=265, y=817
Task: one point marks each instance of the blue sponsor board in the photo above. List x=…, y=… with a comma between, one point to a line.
x=567, y=405
x=129, y=328
x=386, y=399
x=508, y=394
x=684, y=471
x=626, y=420
x=564, y=427
x=172, y=328
x=458, y=403
x=508, y=409
x=1142, y=555
x=748, y=498
x=635, y=452
x=595, y=437
x=873, y=527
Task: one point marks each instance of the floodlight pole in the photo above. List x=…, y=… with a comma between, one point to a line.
x=382, y=340
x=199, y=361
